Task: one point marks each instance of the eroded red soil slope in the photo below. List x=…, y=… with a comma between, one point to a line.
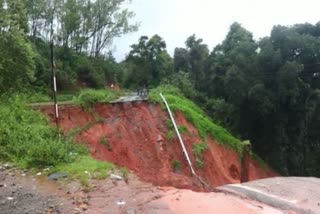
x=127, y=134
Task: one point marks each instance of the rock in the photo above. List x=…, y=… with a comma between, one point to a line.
x=83, y=206
x=56, y=176
x=116, y=177
x=121, y=203
x=130, y=211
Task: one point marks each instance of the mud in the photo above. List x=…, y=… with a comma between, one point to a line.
x=127, y=134
x=35, y=194
x=19, y=194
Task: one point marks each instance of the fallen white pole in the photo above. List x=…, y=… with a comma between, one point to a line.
x=179, y=136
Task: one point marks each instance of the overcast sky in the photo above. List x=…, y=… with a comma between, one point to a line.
x=175, y=20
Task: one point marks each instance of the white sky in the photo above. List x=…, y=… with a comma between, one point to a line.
x=175, y=20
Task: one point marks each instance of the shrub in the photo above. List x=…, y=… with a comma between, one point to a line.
x=27, y=140
x=183, y=129
x=197, y=150
x=169, y=124
x=88, y=97
x=124, y=172
x=104, y=141
x=170, y=135
x=175, y=165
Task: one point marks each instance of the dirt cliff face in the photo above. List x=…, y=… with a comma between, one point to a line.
x=135, y=135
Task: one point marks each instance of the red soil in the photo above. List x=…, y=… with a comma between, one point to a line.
x=131, y=132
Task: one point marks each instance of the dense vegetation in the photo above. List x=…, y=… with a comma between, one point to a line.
x=204, y=125
x=265, y=91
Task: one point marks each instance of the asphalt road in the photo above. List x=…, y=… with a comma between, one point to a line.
x=298, y=194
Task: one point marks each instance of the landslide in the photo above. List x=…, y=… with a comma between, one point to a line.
x=128, y=134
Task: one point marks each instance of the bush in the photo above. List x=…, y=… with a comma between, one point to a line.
x=176, y=165
x=27, y=140
x=197, y=150
x=124, y=172
x=170, y=135
x=88, y=97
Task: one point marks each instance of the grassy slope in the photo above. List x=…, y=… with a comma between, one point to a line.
x=196, y=116
x=27, y=140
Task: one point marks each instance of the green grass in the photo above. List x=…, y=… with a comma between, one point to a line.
x=104, y=141
x=170, y=135
x=27, y=140
x=124, y=172
x=85, y=97
x=65, y=97
x=85, y=168
x=176, y=165
x=183, y=129
x=88, y=97
x=169, y=124
x=204, y=125
x=197, y=149
x=37, y=98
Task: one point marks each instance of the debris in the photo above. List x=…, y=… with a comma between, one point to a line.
x=84, y=206
x=121, y=203
x=116, y=177
x=130, y=211
x=56, y=176
x=10, y=198
x=39, y=173
x=46, y=169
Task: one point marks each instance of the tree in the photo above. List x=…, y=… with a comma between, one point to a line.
x=16, y=55
x=198, y=54
x=149, y=62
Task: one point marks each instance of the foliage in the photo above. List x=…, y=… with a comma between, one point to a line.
x=170, y=135
x=84, y=168
x=88, y=97
x=26, y=138
x=16, y=56
x=183, y=129
x=176, y=165
x=104, y=141
x=124, y=172
x=195, y=115
x=169, y=124
x=197, y=149
x=265, y=91
x=37, y=97
x=148, y=63
x=82, y=22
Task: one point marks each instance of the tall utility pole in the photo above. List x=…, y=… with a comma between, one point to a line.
x=53, y=71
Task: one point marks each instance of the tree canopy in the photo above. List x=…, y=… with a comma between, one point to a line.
x=265, y=91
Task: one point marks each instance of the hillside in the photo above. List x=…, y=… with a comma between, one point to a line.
x=127, y=134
